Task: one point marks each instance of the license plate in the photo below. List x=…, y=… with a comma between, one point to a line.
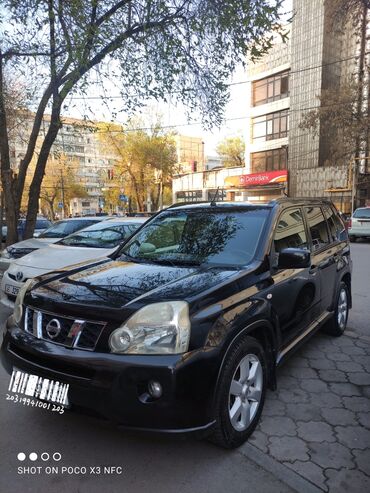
x=40, y=388
x=9, y=289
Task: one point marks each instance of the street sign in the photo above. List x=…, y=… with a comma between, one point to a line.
x=123, y=197
x=60, y=205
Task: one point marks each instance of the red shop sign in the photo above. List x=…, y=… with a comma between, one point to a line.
x=263, y=178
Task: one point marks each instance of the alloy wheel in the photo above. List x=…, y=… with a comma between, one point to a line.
x=245, y=392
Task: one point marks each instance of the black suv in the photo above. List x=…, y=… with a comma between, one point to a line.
x=183, y=327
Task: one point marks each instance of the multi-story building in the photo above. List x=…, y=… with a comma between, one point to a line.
x=190, y=153
x=281, y=156
x=79, y=144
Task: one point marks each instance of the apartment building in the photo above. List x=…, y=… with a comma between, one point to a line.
x=78, y=143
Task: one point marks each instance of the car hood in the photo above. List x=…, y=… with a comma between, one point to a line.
x=34, y=243
x=116, y=283
x=54, y=257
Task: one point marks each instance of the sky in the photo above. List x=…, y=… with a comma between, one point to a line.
x=234, y=116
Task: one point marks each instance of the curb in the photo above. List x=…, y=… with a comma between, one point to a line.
x=281, y=472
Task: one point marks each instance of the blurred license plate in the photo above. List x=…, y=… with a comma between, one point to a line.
x=40, y=388
x=9, y=289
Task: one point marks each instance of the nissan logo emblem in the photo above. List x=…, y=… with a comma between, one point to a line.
x=53, y=328
x=19, y=276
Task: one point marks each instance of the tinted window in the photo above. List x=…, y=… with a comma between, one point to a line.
x=318, y=228
x=65, y=228
x=290, y=231
x=336, y=227
x=362, y=213
x=199, y=236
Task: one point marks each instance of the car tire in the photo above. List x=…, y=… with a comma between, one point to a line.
x=352, y=239
x=337, y=324
x=240, y=393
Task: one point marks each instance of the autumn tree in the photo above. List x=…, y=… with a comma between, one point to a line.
x=155, y=48
x=232, y=151
x=145, y=161
x=60, y=185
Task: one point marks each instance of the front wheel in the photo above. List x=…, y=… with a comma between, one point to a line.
x=337, y=324
x=240, y=394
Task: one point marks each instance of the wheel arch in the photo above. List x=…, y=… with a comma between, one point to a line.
x=264, y=332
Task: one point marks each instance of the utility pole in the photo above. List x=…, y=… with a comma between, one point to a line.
x=62, y=186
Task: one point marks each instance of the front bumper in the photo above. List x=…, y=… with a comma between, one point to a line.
x=115, y=386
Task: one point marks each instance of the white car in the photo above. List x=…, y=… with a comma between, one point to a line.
x=96, y=241
x=59, y=230
x=359, y=226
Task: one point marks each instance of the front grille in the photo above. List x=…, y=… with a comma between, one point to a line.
x=66, y=331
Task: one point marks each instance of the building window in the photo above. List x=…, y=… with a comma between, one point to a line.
x=269, y=160
x=270, y=89
x=271, y=126
x=190, y=196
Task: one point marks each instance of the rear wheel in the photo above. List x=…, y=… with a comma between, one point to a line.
x=338, y=322
x=241, y=393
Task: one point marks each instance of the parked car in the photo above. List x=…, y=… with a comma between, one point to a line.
x=41, y=225
x=359, y=226
x=97, y=240
x=53, y=234
x=183, y=327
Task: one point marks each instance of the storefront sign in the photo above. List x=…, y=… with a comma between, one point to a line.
x=263, y=178
x=258, y=179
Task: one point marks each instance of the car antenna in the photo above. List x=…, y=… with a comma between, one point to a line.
x=215, y=197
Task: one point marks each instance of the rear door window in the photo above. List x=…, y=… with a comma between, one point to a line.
x=318, y=228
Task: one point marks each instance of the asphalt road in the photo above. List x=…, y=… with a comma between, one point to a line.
x=149, y=462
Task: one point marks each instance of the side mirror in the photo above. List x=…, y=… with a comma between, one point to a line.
x=294, y=258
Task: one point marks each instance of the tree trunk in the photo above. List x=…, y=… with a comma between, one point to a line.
x=11, y=195
x=34, y=192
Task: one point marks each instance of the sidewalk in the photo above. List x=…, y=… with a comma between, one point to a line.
x=318, y=421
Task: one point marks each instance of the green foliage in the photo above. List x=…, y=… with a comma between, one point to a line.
x=232, y=151
x=145, y=160
x=185, y=48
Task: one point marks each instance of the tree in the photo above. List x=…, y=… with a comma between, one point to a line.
x=59, y=185
x=232, y=151
x=185, y=48
x=146, y=158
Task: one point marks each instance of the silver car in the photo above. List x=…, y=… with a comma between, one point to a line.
x=359, y=226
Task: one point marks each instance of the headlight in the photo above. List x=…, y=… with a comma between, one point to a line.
x=18, y=304
x=159, y=328
x=5, y=253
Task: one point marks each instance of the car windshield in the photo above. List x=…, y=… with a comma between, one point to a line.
x=65, y=228
x=42, y=224
x=199, y=236
x=101, y=235
x=362, y=213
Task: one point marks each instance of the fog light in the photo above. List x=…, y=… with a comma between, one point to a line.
x=155, y=389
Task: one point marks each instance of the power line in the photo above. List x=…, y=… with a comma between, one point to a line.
x=230, y=84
